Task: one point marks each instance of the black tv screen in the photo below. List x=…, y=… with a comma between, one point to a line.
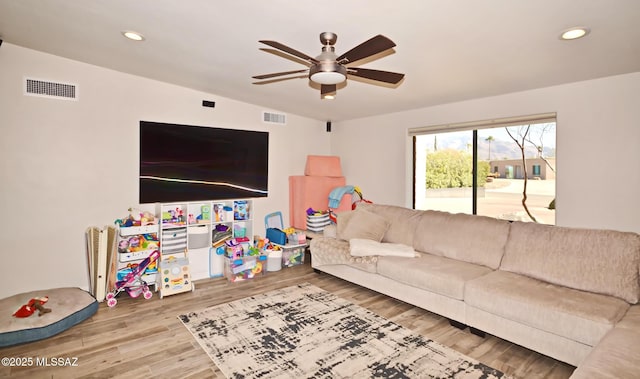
x=193, y=163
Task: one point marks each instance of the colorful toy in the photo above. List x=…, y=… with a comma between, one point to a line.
x=235, y=252
x=136, y=218
x=313, y=212
x=123, y=246
x=30, y=308
x=336, y=195
x=240, y=210
x=257, y=269
x=174, y=217
x=244, y=268
x=175, y=276
x=139, y=243
x=260, y=243
x=206, y=213
x=221, y=234
x=133, y=283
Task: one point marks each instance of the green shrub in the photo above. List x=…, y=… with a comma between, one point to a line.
x=453, y=169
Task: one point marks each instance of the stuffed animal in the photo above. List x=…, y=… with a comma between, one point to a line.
x=30, y=308
x=141, y=218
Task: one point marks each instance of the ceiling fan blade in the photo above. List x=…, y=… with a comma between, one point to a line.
x=289, y=50
x=268, y=76
x=378, y=75
x=282, y=54
x=275, y=80
x=327, y=88
x=373, y=46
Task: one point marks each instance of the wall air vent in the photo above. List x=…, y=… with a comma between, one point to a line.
x=274, y=118
x=43, y=88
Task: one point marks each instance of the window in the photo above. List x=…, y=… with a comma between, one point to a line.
x=484, y=168
x=536, y=170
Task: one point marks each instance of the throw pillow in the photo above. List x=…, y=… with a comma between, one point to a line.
x=342, y=219
x=364, y=247
x=362, y=224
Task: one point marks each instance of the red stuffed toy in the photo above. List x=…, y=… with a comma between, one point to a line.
x=33, y=304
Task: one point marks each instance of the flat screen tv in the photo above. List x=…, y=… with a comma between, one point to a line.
x=193, y=163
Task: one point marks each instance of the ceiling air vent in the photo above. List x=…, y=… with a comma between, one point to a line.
x=43, y=88
x=274, y=118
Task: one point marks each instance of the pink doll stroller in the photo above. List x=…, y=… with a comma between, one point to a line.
x=133, y=283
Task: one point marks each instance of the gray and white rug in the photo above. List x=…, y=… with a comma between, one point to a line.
x=305, y=332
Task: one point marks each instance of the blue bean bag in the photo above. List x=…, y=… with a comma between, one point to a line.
x=69, y=306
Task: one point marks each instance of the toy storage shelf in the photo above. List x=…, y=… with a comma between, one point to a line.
x=192, y=226
x=135, y=243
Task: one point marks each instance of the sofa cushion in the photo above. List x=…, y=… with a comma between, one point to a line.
x=581, y=316
x=600, y=261
x=468, y=238
x=361, y=224
x=440, y=275
x=403, y=221
x=364, y=248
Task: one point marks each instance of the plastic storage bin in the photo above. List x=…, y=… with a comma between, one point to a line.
x=240, y=269
x=293, y=255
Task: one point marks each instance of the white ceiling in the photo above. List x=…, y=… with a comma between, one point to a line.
x=450, y=50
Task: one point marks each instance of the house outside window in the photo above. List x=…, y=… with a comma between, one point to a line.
x=481, y=169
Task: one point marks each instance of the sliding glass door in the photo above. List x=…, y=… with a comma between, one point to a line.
x=446, y=168
x=504, y=172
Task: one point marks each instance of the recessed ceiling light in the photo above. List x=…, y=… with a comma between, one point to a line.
x=574, y=33
x=133, y=35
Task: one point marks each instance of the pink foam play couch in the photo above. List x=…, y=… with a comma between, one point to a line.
x=322, y=174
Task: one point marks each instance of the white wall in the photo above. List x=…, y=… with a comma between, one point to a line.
x=68, y=165
x=598, y=147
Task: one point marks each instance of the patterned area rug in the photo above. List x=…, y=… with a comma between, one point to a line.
x=306, y=332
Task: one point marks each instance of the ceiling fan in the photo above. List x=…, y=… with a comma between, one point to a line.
x=328, y=69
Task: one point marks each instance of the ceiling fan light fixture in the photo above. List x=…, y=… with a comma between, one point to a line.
x=324, y=77
x=328, y=72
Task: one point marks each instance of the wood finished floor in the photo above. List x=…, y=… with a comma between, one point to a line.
x=144, y=339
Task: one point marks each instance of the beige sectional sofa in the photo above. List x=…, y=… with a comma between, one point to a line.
x=568, y=293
